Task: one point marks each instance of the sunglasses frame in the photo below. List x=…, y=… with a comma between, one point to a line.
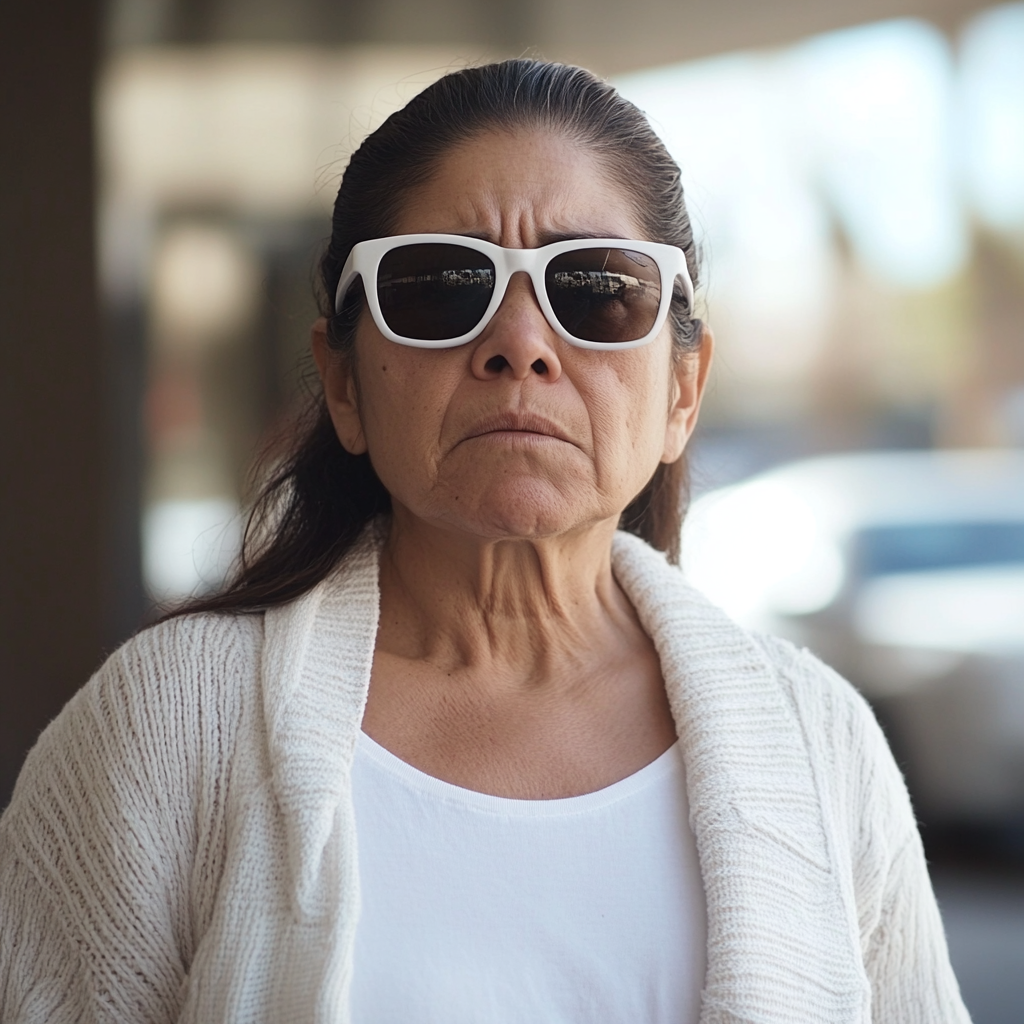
x=365, y=257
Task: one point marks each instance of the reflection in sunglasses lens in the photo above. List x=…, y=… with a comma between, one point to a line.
x=433, y=291
x=602, y=294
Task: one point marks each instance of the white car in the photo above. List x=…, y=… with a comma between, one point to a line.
x=904, y=570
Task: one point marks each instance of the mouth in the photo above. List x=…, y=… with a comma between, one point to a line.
x=526, y=424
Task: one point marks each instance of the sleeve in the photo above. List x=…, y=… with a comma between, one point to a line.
x=906, y=956
x=96, y=850
x=903, y=943
x=40, y=969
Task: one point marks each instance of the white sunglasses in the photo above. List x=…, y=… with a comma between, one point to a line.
x=440, y=291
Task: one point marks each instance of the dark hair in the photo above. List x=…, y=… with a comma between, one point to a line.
x=319, y=498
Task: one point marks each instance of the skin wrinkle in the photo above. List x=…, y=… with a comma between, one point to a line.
x=508, y=659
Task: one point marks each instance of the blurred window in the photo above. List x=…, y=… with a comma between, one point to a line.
x=883, y=550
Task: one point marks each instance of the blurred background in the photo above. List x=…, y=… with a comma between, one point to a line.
x=855, y=173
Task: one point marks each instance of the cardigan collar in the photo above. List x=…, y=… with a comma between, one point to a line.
x=778, y=921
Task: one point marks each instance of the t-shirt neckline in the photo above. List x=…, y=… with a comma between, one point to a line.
x=405, y=774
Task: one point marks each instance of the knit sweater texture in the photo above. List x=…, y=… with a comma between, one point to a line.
x=181, y=843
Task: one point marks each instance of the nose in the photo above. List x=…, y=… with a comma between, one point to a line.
x=518, y=341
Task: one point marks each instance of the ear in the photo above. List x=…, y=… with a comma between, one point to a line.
x=690, y=377
x=337, y=375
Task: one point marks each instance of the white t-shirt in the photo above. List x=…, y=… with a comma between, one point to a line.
x=479, y=909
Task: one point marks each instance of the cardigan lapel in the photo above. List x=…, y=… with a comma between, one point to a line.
x=316, y=675
x=781, y=946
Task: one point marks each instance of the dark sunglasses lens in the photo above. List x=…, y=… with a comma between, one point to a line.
x=434, y=292
x=601, y=294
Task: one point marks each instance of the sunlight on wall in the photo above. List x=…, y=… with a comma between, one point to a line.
x=991, y=116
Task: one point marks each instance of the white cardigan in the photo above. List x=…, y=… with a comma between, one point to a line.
x=180, y=846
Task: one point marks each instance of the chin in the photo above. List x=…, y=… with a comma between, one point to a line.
x=522, y=510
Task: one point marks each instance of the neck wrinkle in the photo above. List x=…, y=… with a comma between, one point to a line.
x=449, y=598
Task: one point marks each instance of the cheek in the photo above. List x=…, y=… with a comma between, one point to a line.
x=629, y=411
x=403, y=399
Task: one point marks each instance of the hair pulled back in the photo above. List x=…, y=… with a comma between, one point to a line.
x=319, y=497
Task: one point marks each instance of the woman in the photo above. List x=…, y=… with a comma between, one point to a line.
x=458, y=744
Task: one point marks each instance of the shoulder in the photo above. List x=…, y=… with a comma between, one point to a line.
x=677, y=614
x=862, y=788
x=119, y=815
x=160, y=712
x=837, y=721
x=836, y=718
x=185, y=652
x=813, y=687
x=162, y=672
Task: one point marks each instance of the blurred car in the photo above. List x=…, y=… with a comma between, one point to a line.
x=905, y=571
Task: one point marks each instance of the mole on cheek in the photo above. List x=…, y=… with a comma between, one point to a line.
x=384, y=369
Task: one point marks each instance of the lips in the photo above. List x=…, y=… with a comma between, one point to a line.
x=523, y=422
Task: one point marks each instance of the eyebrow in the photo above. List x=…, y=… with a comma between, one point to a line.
x=545, y=237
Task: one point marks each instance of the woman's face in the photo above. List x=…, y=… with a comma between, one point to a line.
x=516, y=434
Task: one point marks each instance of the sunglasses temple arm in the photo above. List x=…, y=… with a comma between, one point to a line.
x=348, y=276
x=683, y=272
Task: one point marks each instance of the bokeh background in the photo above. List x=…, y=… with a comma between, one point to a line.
x=855, y=173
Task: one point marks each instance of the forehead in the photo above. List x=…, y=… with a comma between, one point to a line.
x=516, y=189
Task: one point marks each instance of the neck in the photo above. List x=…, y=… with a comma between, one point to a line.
x=458, y=601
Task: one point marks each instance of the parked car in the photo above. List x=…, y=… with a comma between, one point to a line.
x=905, y=571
